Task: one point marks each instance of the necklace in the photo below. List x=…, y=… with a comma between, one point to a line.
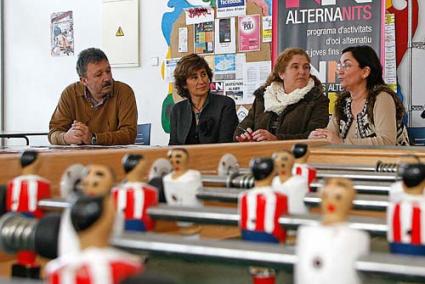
x=196, y=109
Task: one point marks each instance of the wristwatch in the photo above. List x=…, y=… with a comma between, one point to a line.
x=93, y=139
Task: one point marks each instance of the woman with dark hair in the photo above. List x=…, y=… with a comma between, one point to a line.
x=368, y=112
x=202, y=117
x=289, y=105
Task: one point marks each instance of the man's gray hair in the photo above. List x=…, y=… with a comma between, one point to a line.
x=89, y=55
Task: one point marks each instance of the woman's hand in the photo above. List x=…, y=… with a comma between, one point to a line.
x=263, y=135
x=246, y=136
x=323, y=133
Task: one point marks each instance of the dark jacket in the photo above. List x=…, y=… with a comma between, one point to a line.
x=296, y=121
x=217, y=121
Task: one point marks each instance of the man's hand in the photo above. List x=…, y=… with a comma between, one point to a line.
x=79, y=133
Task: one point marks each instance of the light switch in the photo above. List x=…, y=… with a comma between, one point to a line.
x=155, y=61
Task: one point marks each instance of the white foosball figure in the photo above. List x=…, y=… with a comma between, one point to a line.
x=301, y=168
x=227, y=165
x=294, y=187
x=133, y=198
x=182, y=184
x=327, y=252
x=93, y=216
x=406, y=232
x=181, y=187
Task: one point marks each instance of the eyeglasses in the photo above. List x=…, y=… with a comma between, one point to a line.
x=343, y=66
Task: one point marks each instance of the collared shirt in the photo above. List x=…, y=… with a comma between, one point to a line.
x=115, y=123
x=95, y=104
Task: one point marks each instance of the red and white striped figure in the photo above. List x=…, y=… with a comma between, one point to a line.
x=405, y=221
x=93, y=266
x=306, y=171
x=24, y=192
x=133, y=199
x=259, y=211
x=405, y=213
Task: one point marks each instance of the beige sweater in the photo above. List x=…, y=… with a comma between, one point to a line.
x=114, y=123
x=384, y=115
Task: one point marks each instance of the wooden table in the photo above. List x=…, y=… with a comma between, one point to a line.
x=202, y=157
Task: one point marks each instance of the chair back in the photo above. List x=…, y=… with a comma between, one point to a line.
x=416, y=136
x=143, y=134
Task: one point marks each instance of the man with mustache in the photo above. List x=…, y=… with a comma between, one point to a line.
x=96, y=110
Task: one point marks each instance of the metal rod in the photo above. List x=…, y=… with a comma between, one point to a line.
x=238, y=251
x=358, y=176
x=361, y=201
x=270, y=255
x=369, y=187
x=379, y=167
x=53, y=203
x=247, y=181
x=230, y=216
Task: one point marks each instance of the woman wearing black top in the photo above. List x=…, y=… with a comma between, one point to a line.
x=202, y=117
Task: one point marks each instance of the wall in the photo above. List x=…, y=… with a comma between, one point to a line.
x=34, y=79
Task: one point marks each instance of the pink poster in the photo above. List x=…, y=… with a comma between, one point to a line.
x=249, y=33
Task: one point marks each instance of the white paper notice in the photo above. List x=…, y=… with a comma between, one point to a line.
x=225, y=36
x=390, y=69
x=170, y=65
x=234, y=89
x=183, y=39
x=199, y=15
x=267, y=29
x=255, y=74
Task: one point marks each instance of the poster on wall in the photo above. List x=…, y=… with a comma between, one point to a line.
x=267, y=29
x=204, y=37
x=249, y=33
x=230, y=8
x=390, y=68
x=198, y=15
x=225, y=36
x=62, y=34
x=121, y=32
x=325, y=28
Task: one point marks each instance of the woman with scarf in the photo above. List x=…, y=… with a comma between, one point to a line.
x=202, y=117
x=289, y=105
x=368, y=112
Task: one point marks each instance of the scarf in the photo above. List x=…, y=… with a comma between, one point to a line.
x=276, y=100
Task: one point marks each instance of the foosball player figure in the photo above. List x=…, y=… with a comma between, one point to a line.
x=327, y=252
x=181, y=187
x=294, y=187
x=133, y=197
x=159, y=168
x=22, y=196
x=259, y=211
x=93, y=217
x=301, y=168
x=69, y=188
x=406, y=230
x=397, y=188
